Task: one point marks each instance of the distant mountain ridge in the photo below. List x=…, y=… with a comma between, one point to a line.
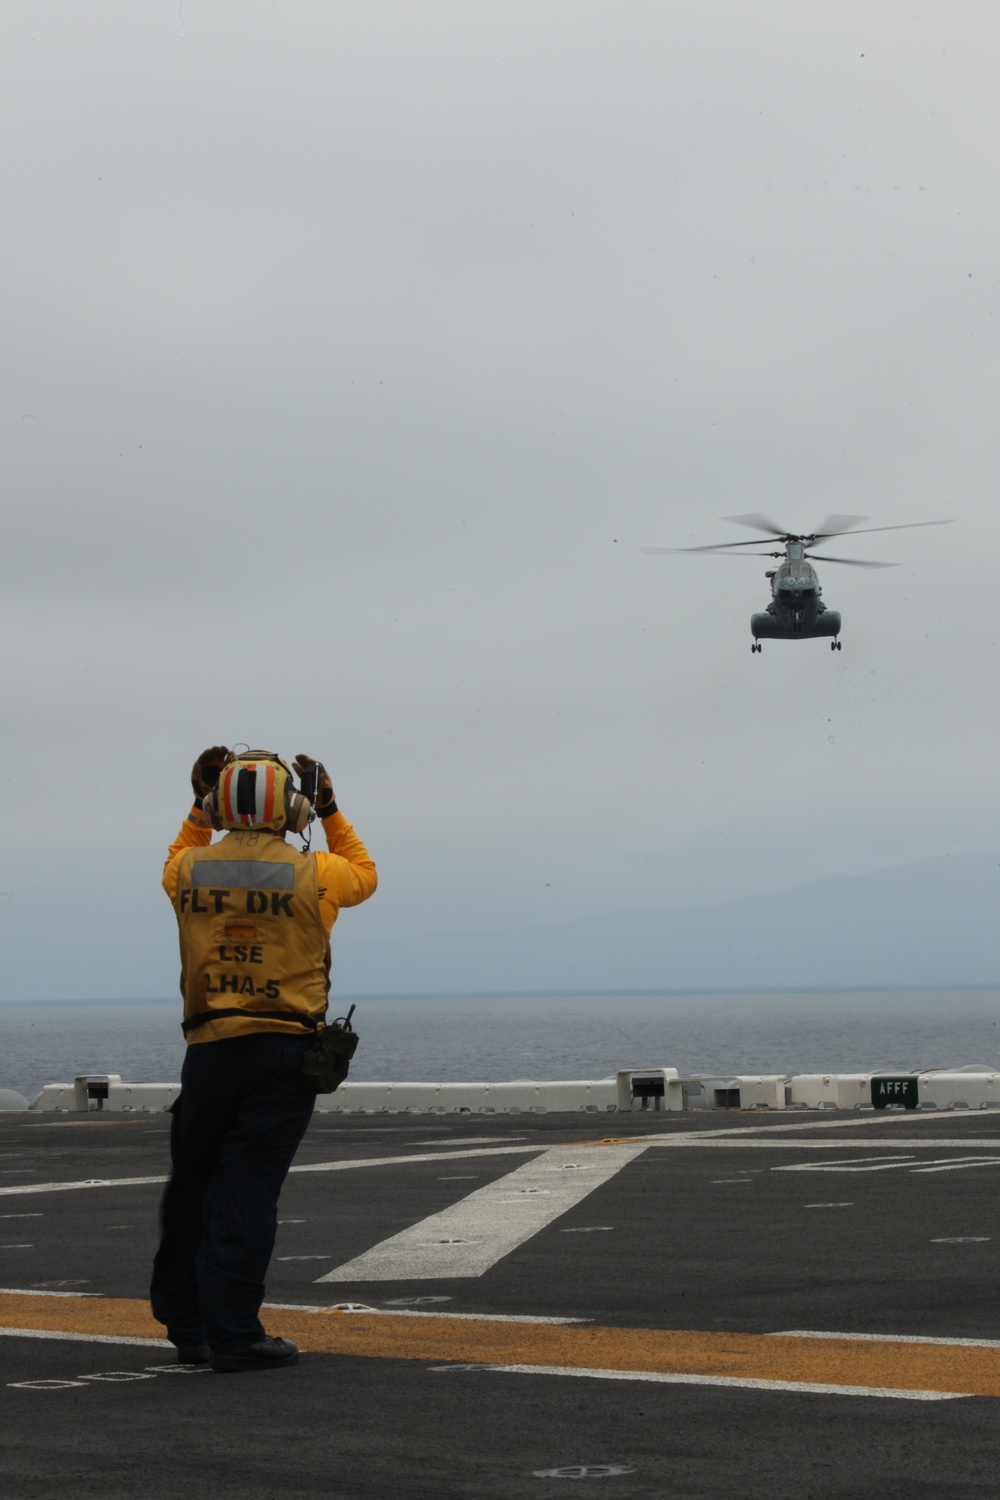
x=932, y=922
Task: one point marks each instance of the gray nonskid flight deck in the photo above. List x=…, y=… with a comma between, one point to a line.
x=867, y=1226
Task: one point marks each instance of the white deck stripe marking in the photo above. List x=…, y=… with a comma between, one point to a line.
x=866, y=1164
x=84, y=1338
x=957, y=1163
x=368, y=1312
x=902, y=1163
x=797, y=1386
x=854, y=1121
x=755, y=1143
x=90, y=1182
x=939, y=1160
x=363, y=1310
x=399, y=1161
x=21, y=1291
x=722, y=1140
x=320, y=1166
x=473, y=1234
x=888, y=1338
x=853, y=1161
x=465, y=1140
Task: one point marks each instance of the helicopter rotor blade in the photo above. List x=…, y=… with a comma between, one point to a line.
x=721, y=549
x=759, y=523
x=718, y=547
x=850, y=562
x=866, y=530
x=834, y=525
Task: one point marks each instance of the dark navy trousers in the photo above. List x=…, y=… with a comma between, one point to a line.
x=243, y=1109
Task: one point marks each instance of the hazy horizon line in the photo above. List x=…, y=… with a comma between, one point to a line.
x=358, y=998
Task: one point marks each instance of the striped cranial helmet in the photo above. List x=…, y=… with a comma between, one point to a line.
x=256, y=790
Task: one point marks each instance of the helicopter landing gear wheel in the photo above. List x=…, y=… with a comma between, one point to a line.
x=835, y=646
x=755, y=646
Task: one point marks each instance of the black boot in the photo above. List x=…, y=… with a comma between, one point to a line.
x=265, y=1354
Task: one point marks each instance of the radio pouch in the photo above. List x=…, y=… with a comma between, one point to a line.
x=328, y=1058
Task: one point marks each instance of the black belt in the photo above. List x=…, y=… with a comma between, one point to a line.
x=204, y=1016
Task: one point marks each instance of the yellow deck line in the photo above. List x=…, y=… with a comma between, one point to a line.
x=812, y=1361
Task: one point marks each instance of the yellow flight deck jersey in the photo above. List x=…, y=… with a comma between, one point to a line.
x=254, y=918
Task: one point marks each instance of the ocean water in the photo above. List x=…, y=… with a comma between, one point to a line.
x=494, y=1038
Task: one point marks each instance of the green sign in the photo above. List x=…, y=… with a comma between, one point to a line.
x=887, y=1090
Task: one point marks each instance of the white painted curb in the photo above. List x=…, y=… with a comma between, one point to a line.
x=629, y=1089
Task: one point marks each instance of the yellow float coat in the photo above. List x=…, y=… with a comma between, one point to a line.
x=254, y=918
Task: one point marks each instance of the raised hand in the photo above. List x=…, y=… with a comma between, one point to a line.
x=205, y=771
x=324, y=801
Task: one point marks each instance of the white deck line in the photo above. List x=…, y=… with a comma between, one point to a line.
x=901, y=1164
x=757, y=1143
x=399, y=1161
x=795, y=1387
x=749, y=1137
x=956, y=1165
x=853, y=1120
x=322, y=1166
x=31, y=1291
x=888, y=1338
x=469, y=1238
x=69, y=1187
x=865, y=1164
x=359, y=1310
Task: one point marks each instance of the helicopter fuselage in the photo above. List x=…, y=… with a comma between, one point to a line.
x=796, y=610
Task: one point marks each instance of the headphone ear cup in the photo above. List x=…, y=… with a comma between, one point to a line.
x=297, y=810
x=208, y=807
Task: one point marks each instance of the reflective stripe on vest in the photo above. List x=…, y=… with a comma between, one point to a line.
x=241, y=874
x=251, y=936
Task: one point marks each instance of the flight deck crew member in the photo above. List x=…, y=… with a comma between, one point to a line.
x=254, y=919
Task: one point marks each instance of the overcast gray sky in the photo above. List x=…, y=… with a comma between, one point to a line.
x=351, y=354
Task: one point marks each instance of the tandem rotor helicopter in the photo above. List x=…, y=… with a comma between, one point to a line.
x=796, y=610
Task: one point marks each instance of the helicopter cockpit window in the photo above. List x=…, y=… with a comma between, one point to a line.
x=798, y=588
